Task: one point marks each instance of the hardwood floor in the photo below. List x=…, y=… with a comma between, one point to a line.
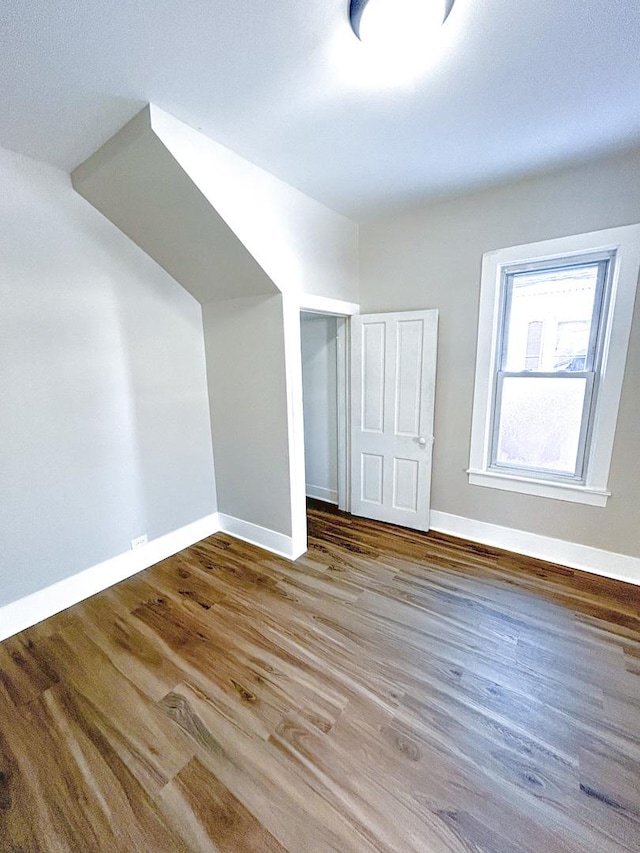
x=390, y=691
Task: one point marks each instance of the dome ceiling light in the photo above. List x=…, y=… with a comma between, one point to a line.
x=382, y=22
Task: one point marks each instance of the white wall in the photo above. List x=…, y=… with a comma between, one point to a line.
x=104, y=417
x=319, y=386
x=247, y=386
x=302, y=245
x=430, y=258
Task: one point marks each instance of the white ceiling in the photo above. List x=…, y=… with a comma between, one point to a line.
x=516, y=86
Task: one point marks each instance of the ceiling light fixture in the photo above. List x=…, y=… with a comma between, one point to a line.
x=384, y=22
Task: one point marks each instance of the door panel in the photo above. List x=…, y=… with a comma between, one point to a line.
x=373, y=379
x=405, y=484
x=372, y=479
x=409, y=354
x=393, y=362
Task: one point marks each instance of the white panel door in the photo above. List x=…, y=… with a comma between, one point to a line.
x=393, y=375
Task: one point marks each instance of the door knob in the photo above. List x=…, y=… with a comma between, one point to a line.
x=422, y=441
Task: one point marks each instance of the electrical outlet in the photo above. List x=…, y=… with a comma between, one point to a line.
x=139, y=542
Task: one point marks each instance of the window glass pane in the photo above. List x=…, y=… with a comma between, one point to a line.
x=548, y=324
x=539, y=423
x=572, y=344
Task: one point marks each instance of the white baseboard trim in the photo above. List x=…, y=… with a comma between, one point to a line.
x=605, y=563
x=28, y=611
x=22, y=614
x=263, y=537
x=330, y=496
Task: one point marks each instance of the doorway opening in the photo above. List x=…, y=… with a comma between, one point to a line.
x=324, y=346
x=364, y=409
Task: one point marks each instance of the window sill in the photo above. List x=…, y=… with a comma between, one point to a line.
x=539, y=488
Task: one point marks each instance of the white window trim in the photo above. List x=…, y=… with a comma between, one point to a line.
x=625, y=241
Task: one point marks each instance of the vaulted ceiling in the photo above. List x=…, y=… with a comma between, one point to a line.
x=513, y=87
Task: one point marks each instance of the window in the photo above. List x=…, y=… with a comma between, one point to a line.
x=554, y=327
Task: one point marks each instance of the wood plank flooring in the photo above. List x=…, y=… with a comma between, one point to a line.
x=390, y=691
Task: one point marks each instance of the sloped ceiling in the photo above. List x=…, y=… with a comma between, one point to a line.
x=137, y=184
x=221, y=226
x=302, y=245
